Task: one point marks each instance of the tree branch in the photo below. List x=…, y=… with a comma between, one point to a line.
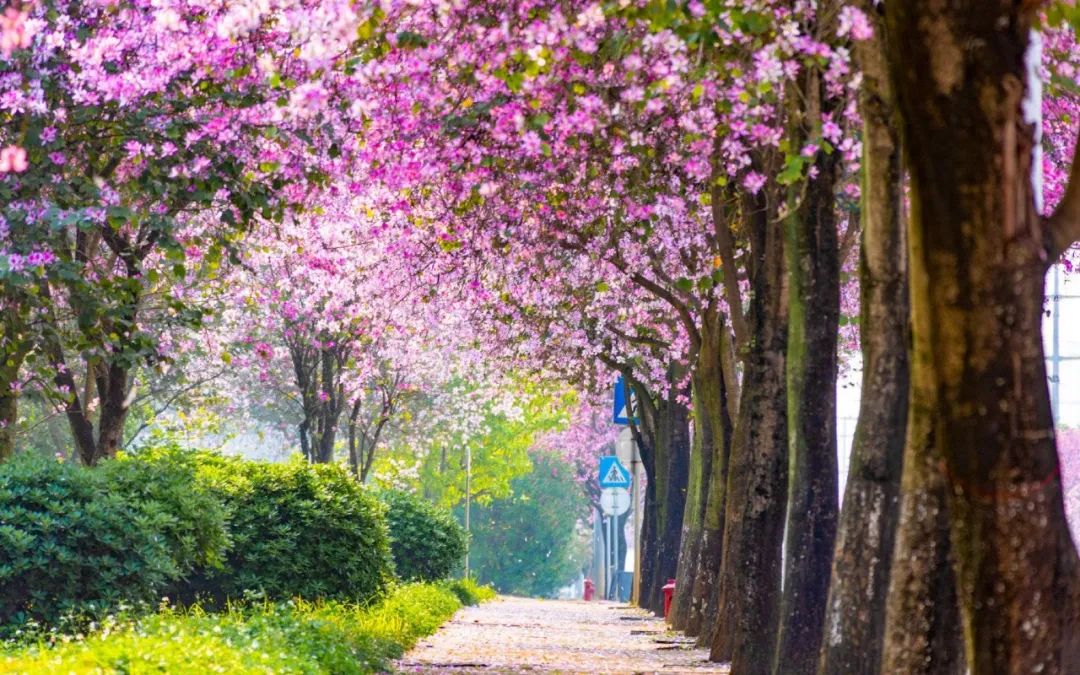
x=1064, y=223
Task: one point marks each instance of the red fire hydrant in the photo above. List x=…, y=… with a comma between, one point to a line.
x=669, y=590
x=590, y=589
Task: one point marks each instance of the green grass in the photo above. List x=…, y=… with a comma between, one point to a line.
x=292, y=637
x=471, y=593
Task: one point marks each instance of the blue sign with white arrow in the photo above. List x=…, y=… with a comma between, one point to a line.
x=613, y=474
x=621, y=409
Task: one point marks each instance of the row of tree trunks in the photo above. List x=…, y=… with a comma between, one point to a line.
x=981, y=453
x=749, y=595
x=854, y=630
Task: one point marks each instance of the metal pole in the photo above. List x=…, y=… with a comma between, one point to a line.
x=615, y=554
x=468, y=499
x=607, y=556
x=635, y=593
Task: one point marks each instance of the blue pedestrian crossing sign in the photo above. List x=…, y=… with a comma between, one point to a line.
x=613, y=474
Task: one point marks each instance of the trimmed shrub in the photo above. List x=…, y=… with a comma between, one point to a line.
x=297, y=530
x=72, y=545
x=427, y=543
x=191, y=517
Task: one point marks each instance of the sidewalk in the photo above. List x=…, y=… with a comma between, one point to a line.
x=518, y=635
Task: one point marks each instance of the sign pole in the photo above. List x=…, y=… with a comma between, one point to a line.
x=607, y=555
x=635, y=513
x=614, y=559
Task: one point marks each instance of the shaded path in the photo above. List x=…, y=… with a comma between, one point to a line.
x=517, y=635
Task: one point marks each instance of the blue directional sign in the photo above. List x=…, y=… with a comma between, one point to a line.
x=621, y=410
x=613, y=474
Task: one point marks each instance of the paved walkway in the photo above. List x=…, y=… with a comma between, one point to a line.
x=517, y=635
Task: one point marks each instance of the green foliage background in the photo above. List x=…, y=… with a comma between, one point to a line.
x=528, y=543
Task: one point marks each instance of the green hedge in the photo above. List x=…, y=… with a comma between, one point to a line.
x=427, y=543
x=192, y=517
x=78, y=543
x=294, y=637
x=297, y=530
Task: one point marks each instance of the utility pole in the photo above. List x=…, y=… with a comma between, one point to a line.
x=468, y=500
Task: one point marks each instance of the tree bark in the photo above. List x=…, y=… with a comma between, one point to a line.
x=647, y=437
x=690, y=538
x=757, y=472
x=979, y=256
x=664, y=442
x=9, y=416
x=811, y=243
x=671, y=497
x=712, y=408
x=855, y=612
x=15, y=345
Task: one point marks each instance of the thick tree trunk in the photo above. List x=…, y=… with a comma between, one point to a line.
x=711, y=415
x=690, y=538
x=649, y=446
x=757, y=472
x=811, y=244
x=855, y=613
x=979, y=256
x=113, y=390
x=711, y=394
x=922, y=635
x=664, y=442
x=671, y=498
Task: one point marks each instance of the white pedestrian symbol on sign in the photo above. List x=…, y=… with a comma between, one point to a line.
x=614, y=475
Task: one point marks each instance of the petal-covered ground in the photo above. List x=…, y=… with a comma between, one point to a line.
x=519, y=635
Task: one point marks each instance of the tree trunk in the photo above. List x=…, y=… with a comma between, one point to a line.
x=855, y=613
x=757, y=472
x=9, y=416
x=671, y=497
x=811, y=244
x=113, y=390
x=922, y=618
x=690, y=538
x=14, y=336
x=647, y=437
x=710, y=394
x=979, y=256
